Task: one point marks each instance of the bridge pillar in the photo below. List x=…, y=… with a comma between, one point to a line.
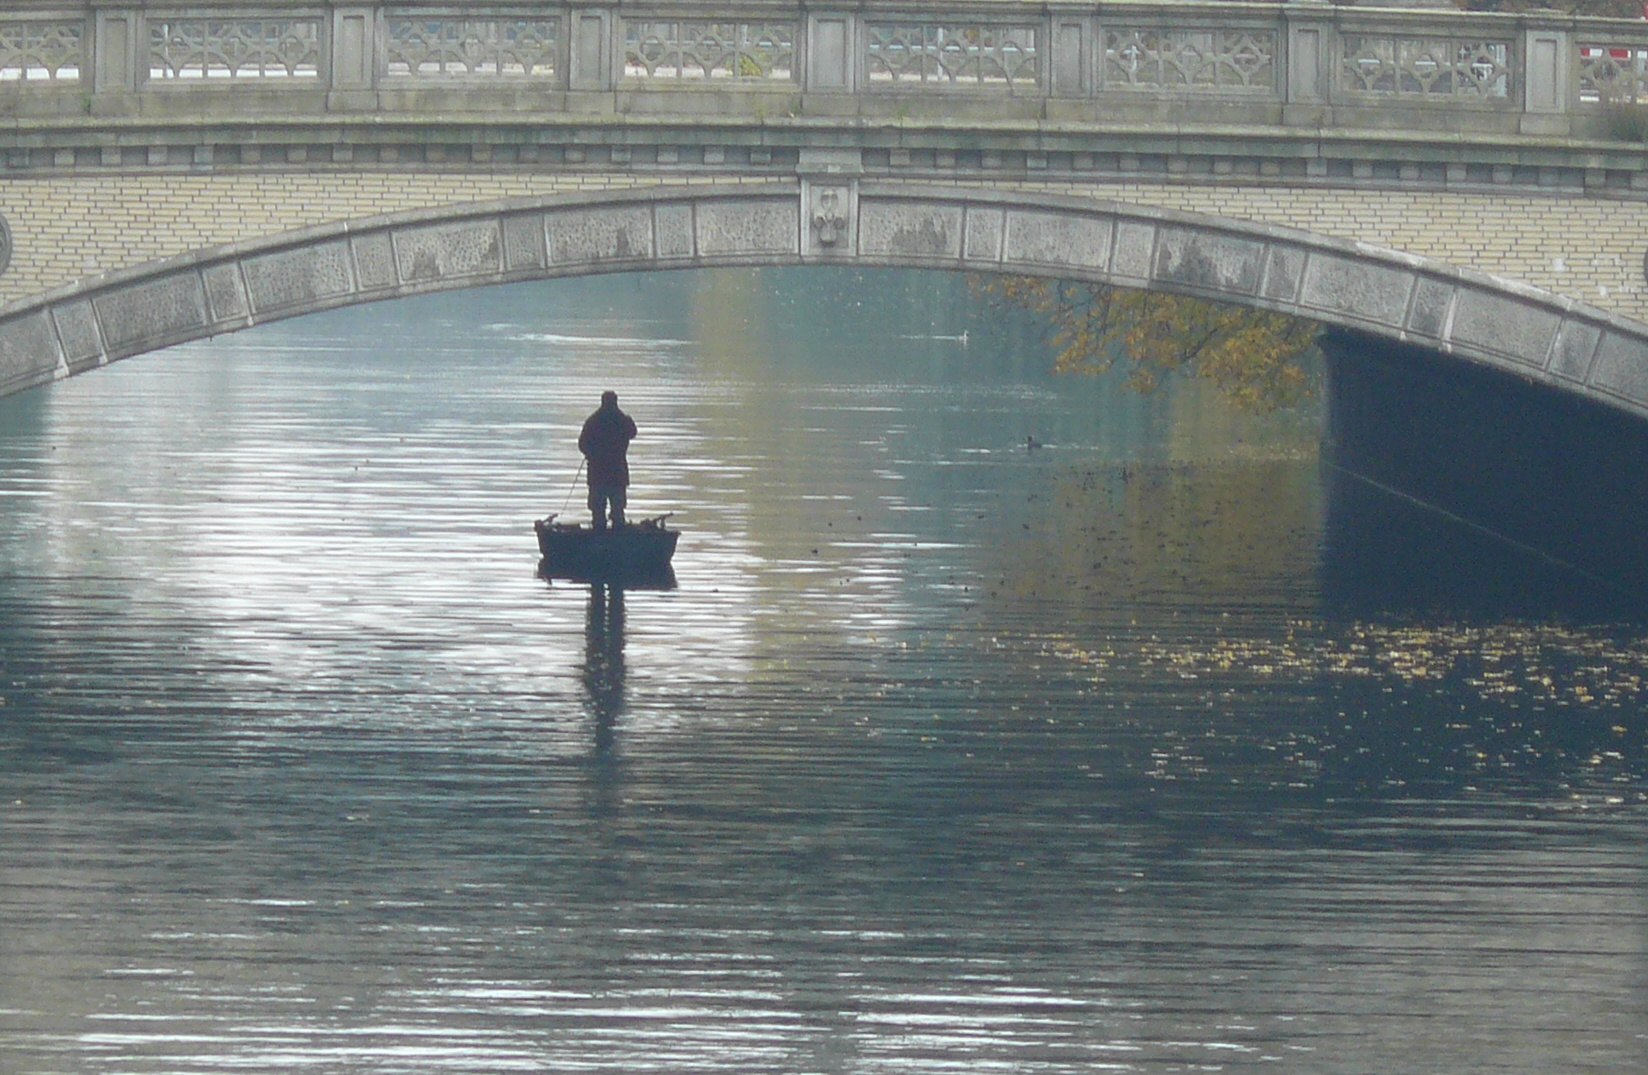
x=590, y=66
x=828, y=68
x=353, y=66
x=1310, y=40
x=1072, y=64
x=115, y=60
x=1547, y=81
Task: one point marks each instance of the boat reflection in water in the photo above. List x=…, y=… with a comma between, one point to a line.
x=569, y=553
x=633, y=557
x=603, y=672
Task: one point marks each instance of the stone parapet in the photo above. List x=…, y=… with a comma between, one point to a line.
x=240, y=80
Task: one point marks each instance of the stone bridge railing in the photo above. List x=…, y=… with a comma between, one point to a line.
x=1294, y=65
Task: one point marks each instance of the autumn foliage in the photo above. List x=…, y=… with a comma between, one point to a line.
x=1605, y=9
x=1254, y=357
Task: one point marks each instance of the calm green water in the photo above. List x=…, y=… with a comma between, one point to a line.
x=946, y=754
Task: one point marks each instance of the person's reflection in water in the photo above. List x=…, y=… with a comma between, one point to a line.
x=604, y=662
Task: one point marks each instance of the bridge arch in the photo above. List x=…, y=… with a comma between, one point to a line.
x=830, y=219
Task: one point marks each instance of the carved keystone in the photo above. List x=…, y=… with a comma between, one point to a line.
x=828, y=210
x=830, y=218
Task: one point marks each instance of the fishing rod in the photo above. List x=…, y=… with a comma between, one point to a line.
x=573, y=486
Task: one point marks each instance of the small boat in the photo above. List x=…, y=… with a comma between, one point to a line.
x=636, y=552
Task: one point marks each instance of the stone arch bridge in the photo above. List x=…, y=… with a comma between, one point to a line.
x=1471, y=183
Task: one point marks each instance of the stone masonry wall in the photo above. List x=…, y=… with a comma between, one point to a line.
x=1589, y=249
x=65, y=229
x=68, y=228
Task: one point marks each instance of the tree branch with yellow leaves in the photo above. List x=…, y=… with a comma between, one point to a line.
x=1255, y=358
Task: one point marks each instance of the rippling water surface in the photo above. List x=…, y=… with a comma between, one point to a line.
x=947, y=754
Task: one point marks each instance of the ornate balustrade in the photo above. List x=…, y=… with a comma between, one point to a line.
x=1305, y=89
x=1287, y=63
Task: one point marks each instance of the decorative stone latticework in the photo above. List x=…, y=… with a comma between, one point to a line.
x=710, y=50
x=41, y=51
x=472, y=48
x=944, y=54
x=1612, y=76
x=1162, y=58
x=188, y=48
x=1286, y=64
x=1425, y=67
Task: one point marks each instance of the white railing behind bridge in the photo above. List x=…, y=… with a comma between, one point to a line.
x=1299, y=63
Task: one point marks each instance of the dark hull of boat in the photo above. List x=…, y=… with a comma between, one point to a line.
x=638, y=555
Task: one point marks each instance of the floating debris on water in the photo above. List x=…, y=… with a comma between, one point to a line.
x=1533, y=664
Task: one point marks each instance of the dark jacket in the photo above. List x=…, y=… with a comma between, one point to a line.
x=605, y=443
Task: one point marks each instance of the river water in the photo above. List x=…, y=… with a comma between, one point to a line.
x=946, y=754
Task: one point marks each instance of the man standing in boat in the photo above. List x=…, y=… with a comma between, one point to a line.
x=605, y=444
